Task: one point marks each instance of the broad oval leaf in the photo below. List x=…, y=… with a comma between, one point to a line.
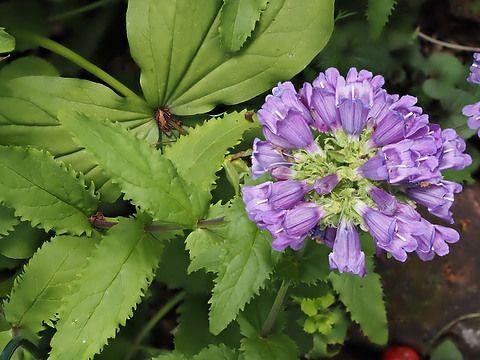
x=40, y=290
x=45, y=192
x=237, y=21
x=29, y=108
x=186, y=68
x=145, y=176
x=103, y=298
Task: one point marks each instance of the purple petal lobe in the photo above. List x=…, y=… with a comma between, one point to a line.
x=286, y=194
x=474, y=76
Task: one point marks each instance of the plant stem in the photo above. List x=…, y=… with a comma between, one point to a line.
x=164, y=310
x=444, y=43
x=15, y=343
x=210, y=222
x=65, y=52
x=80, y=10
x=274, y=311
x=447, y=327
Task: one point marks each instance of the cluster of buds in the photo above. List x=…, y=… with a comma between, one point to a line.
x=343, y=155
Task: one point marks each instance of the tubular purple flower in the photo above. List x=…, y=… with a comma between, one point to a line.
x=286, y=194
x=412, y=161
x=354, y=101
x=451, y=155
x=435, y=241
x=473, y=114
x=385, y=202
x=474, y=76
x=325, y=113
x=256, y=202
x=347, y=255
x=265, y=158
x=326, y=184
x=375, y=168
x=394, y=234
x=437, y=198
x=327, y=80
x=292, y=133
x=302, y=218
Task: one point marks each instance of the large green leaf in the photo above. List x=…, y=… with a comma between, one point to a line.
x=27, y=66
x=275, y=347
x=200, y=154
x=145, y=176
x=212, y=352
x=363, y=298
x=237, y=21
x=244, y=269
x=41, y=289
x=22, y=242
x=8, y=220
x=7, y=41
x=186, y=68
x=112, y=284
x=44, y=192
x=28, y=116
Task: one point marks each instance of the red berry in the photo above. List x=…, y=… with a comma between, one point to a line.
x=400, y=353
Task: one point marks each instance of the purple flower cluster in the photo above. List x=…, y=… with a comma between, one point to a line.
x=473, y=111
x=330, y=148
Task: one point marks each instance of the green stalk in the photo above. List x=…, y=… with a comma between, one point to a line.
x=65, y=52
x=275, y=309
x=80, y=10
x=164, y=310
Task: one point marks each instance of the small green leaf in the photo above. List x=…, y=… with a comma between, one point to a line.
x=113, y=282
x=363, y=298
x=217, y=352
x=7, y=41
x=27, y=66
x=40, y=290
x=378, y=13
x=278, y=347
x=22, y=242
x=247, y=264
x=200, y=154
x=447, y=350
x=8, y=220
x=186, y=68
x=29, y=107
x=44, y=192
x=237, y=21
x=143, y=174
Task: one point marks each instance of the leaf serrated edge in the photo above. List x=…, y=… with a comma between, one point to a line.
x=70, y=171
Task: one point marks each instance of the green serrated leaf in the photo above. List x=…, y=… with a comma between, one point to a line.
x=192, y=333
x=111, y=285
x=186, y=68
x=278, y=347
x=7, y=41
x=378, y=13
x=28, y=116
x=22, y=242
x=44, y=192
x=247, y=264
x=143, y=174
x=237, y=21
x=447, y=350
x=220, y=352
x=363, y=298
x=200, y=154
x=8, y=220
x=27, y=66
x=40, y=290
x=205, y=246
